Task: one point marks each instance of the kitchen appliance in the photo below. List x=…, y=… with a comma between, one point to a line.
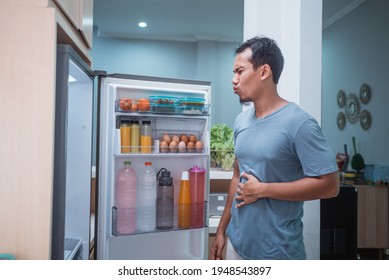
x=172, y=107
x=72, y=157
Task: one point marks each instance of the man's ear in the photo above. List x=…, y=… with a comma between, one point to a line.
x=265, y=71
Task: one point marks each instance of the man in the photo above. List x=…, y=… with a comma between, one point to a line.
x=282, y=159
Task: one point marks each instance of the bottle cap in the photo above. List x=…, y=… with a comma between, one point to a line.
x=165, y=179
x=127, y=162
x=197, y=169
x=146, y=122
x=148, y=163
x=185, y=176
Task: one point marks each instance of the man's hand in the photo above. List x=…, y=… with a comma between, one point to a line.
x=249, y=191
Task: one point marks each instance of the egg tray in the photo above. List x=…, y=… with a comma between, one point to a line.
x=176, y=150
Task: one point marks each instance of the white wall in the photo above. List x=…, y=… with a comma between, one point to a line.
x=355, y=51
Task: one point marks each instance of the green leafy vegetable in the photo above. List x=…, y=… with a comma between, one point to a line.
x=222, y=145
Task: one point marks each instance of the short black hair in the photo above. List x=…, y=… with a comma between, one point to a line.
x=265, y=51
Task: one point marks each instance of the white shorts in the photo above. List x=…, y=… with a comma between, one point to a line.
x=231, y=254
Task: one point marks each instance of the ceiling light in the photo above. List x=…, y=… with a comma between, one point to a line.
x=142, y=24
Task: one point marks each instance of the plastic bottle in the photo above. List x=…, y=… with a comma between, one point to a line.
x=197, y=188
x=147, y=199
x=125, y=136
x=146, y=137
x=165, y=200
x=135, y=136
x=184, y=202
x=125, y=199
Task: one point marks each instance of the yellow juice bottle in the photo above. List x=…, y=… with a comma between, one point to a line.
x=184, y=202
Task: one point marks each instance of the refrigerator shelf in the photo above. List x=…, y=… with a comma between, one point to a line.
x=134, y=229
x=163, y=109
x=162, y=151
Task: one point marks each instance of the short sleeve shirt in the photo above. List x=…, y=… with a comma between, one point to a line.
x=283, y=146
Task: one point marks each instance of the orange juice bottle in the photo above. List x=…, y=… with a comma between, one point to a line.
x=146, y=137
x=184, y=202
x=125, y=136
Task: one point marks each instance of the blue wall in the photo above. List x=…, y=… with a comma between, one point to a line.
x=355, y=51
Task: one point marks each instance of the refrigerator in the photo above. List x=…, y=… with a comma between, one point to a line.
x=177, y=107
x=72, y=157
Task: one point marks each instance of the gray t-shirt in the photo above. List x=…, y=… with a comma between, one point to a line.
x=283, y=146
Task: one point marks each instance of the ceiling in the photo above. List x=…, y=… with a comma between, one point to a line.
x=187, y=20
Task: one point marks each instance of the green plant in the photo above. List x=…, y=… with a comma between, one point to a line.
x=222, y=145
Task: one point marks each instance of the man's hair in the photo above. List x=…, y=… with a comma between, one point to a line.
x=265, y=51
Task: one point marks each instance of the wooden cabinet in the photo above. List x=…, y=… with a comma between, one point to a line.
x=373, y=216
x=30, y=32
x=80, y=15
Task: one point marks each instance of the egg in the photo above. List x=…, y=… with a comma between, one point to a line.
x=173, y=146
x=190, y=146
x=176, y=138
x=184, y=138
x=192, y=138
x=166, y=138
x=199, y=146
x=163, y=146
x=182, y=147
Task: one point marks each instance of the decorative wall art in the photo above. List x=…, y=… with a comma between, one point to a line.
x=352, y=104
x=352, y=108
x=365, y=94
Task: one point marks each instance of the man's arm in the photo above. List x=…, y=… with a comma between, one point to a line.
x=219, y=242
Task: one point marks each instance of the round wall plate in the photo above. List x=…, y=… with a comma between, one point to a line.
x=352, y=108
x=365, y=94
x=341, y=98
x=341, y=120
x=365, y=119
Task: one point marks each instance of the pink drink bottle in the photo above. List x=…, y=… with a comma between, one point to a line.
x=197, y=188
x=125, y=199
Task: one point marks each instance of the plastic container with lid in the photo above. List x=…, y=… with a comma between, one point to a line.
x=147, y=197
x=135, y=136
x=162, y=104
x=197, y=189
x=125, y=199
x=146, y=135
x=184, y=202
x=125, y=136
x=165, y=200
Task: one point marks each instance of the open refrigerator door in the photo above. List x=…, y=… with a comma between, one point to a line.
x=170, y=108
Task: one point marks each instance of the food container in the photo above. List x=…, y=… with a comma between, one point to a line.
x=162, y=104
x=193, y=110
x=192, y=102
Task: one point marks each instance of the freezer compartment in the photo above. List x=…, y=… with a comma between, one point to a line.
x=176, y=218
x=189, y=244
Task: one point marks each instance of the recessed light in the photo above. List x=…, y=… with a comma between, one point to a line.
x=142, y=24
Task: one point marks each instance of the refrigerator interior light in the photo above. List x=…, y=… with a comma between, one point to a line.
x=71, y=79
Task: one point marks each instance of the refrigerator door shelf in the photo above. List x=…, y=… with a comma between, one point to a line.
x=169, y=245
x=175, y=227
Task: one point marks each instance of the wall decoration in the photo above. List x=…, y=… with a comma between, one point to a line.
x=365, y=119
x=352, y=108
x=365, y=94
x=341, y=120
x=341, y=98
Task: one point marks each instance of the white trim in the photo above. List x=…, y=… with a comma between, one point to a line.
x=341, y=13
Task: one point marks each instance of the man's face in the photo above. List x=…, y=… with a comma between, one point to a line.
x=246, y=81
